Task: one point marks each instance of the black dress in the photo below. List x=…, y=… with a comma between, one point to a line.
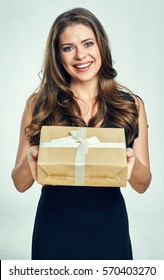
x=81, y=223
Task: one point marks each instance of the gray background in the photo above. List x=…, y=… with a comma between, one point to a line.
x=135, y=33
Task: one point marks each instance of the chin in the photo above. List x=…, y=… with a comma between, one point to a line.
x=86, y=78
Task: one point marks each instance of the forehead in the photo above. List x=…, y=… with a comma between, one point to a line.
x=75, y=33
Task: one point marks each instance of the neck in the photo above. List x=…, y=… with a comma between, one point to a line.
x=86, y=90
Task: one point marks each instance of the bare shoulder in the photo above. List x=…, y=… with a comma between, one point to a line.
x=31, y=101
x=138, y=100
x=24, y=143
x=141, y=109
x=28, y=111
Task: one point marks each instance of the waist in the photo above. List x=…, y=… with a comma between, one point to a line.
x=76, y=195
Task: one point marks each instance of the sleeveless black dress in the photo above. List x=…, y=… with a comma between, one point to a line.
x=81, y=223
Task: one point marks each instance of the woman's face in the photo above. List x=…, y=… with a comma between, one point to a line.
x=79, y=53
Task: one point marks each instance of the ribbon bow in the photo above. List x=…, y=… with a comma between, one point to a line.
x=79, y=136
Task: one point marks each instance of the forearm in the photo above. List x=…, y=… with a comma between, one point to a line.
x=22, y=176
x=141, y=177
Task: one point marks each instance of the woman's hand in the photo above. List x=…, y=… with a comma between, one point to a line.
x=130, y=161
x=32, y=156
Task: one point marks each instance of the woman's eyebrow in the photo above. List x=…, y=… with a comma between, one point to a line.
x=70, y=44
x=83, y=41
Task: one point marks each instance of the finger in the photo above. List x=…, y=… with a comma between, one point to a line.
x=129, y=153
x=128, y=174
x=33, y=167
x=33, y=153
x=130, y=163
x=32, y=156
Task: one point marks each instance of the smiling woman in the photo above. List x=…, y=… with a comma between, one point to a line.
x=81, y=56
x=79, y=89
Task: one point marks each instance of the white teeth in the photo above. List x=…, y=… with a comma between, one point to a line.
x=83, y=65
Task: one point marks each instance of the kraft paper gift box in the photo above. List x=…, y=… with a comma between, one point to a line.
x=76, y=156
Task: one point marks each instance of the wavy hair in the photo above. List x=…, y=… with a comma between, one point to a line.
x=54, y=103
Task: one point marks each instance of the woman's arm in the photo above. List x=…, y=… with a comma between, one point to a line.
x=138, y=157
x=24, y=172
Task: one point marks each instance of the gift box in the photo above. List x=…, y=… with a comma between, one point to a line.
x=82, y=156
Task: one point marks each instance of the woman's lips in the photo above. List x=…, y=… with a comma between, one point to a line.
x=82, y=67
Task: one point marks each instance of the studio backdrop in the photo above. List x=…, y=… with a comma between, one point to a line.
x=135, y=32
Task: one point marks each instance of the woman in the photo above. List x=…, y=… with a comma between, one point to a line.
x=79, y=89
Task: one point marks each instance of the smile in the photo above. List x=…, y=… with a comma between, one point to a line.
x=83, y=66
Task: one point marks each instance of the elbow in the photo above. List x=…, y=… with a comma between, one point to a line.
x=146, y=184
x=141, y=189
x=20, y=185
x=142, y=186
x=20, y=188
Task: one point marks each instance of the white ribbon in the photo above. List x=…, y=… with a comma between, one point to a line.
x=79, y=136
x=78, y=140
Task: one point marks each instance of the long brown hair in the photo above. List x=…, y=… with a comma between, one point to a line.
x=54, y=103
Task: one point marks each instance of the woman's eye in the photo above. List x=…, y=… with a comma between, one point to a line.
x=88, y=44
x=67, y=49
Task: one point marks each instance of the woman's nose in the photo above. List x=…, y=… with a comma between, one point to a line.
x=80, y=53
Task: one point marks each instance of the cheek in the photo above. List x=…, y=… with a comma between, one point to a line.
x=64, y=58
x=96, y=54
x=66, y=61
x=98, y=59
